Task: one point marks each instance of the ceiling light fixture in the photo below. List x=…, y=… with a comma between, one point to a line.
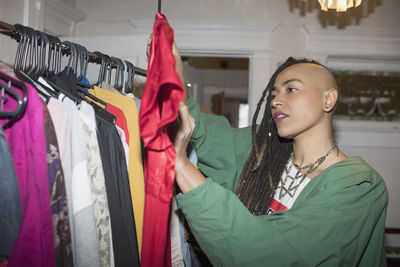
x=339, y=5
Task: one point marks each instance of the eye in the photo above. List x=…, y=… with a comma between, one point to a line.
x=291, y=89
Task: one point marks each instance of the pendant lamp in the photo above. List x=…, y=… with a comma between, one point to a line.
x=339, y=5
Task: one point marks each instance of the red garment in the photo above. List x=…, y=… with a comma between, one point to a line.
x=120, y=120
x=159, y=107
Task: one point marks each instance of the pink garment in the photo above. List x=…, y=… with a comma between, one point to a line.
x=159, y=107
x=59, y=116
x=35, y=243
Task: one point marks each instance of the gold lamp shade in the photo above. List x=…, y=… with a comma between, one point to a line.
x=339, y=5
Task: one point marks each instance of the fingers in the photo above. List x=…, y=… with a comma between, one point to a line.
x=188, y=123
x=186, y=128
x=179, y=68
x=148, y=47
x=175, y=51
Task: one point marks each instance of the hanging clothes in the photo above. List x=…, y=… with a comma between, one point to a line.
x=58, y=196
x=118, y=194
x=35, y=243
x=10, y=204
x=120, y=119
x=177, y=259
x=59, y=116
x=135, y=169
x=97, y=183
x=159, y=107
x=122, y=128
x=83, y=225
x=81, y=206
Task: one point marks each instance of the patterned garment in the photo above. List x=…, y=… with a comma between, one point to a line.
x=58, y=196
x=292, y=184
x=97, y=183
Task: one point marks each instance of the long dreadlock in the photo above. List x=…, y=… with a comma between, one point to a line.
x=261, y=173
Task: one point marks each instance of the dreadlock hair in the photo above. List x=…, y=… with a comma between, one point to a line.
x=262, y=171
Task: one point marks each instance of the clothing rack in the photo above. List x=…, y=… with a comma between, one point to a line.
x=8, y=29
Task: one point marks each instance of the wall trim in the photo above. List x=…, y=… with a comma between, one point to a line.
x=378, y=134
x=231, y=38
x=355, y=48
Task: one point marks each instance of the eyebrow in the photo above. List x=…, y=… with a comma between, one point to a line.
x=286, y=82
x=291, y=80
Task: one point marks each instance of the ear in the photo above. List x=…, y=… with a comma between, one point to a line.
x=330, y=99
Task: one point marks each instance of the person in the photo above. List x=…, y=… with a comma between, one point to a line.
x=281, y=193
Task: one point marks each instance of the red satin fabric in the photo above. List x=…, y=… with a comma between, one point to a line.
x=159, y=107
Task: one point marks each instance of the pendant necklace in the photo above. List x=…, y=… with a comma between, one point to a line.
x=291, y=189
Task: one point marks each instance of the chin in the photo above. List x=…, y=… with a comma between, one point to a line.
x=286, y=134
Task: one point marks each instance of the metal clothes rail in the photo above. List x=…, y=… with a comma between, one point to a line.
x=8, y=29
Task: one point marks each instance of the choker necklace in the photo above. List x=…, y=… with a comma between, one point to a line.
x=292, y=188
x=313, y=166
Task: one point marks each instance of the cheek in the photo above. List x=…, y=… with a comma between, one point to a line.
x=308, y=108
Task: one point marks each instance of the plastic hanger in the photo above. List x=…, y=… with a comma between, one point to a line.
x=31, y=52
x=83, y=61
x=102, y=68
x=83, y=57
x=42, y=88
x=43, y=53
x=72, y=62
x=125, y=77
x=109, y=67
x=6, y=89
x=21, y=101
x=54, y=56
x=131, y=76
x=27, y=53
x=19, y=56
x=118, y=73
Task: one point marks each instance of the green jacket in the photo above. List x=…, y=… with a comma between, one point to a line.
x=337, y=220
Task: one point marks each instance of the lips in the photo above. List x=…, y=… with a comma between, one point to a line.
x=279, y=116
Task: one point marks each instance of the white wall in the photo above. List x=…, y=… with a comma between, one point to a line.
x=26, y=12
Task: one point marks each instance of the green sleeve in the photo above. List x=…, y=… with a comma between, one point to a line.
x=222, y=150
x=331, y=226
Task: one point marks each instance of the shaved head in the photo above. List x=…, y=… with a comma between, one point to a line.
x=320, y=75
x=326, y=76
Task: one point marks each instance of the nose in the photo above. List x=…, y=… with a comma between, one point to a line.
x=276, y=101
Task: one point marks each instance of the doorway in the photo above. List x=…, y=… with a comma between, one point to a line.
x=220, y=86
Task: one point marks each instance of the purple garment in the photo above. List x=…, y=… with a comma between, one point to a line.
x=35, y=243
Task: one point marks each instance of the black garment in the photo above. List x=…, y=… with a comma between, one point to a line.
x=118, y=194
x=10, y=200
x=66, y=79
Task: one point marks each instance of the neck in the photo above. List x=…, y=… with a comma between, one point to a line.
x=311, y=145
